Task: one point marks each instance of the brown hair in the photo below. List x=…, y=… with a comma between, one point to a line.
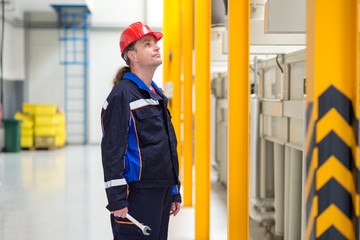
x=121, y=72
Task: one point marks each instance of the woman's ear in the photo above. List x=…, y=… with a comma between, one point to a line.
x=131, y=56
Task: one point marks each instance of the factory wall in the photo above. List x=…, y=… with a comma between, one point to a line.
x=13, y=69
x=117, y=13
x=14, y=60
x=104, y=60
x=45, y=79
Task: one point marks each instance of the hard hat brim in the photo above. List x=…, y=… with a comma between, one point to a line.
x=157, y=35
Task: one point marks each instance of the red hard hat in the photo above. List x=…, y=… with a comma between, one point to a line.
x=133, y=33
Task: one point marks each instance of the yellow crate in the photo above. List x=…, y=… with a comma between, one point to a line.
x=27, y=124
x=27, y=141
x=41, y=109
x=45, y=141
x=60, y=140
x=46, y=109
x=29, y=108
x=27, y=132
x=27, y=120
x=45, y=131
x=60, y=130
x=45, y=120
x=60, y=118
x=26, y=127
x=23, y=116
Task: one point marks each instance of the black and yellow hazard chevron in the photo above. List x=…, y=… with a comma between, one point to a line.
x=331, y=190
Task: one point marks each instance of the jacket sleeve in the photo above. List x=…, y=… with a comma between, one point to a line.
x=115, y=122
x=176, y=197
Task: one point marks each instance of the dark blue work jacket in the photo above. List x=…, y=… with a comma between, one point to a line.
x=139, y=143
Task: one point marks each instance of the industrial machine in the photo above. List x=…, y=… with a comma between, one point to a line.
x=277, y=110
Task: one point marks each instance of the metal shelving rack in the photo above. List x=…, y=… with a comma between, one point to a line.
x=73, y=23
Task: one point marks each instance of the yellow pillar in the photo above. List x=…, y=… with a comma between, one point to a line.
x=176, y=72
x=188, y=46
x=238, y=120
x=331, y=145
x=202, y=119
x=172, y=63
x=167, y=45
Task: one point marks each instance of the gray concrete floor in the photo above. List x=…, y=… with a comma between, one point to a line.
x=60, y=195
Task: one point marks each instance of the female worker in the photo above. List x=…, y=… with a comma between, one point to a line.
x=139, y=155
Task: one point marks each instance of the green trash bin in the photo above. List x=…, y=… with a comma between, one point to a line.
x=12, y=135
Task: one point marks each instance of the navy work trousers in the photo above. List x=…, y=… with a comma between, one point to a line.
x=151, y=207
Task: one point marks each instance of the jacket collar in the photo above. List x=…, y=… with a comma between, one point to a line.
x=132, y=77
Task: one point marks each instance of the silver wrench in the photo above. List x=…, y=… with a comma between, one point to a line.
x=143, y=228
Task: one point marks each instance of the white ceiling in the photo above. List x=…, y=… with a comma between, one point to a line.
x=115, y=13
x=18, y=7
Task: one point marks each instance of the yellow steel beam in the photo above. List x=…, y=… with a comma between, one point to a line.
x=176, y=74
x=238, y=120
x=202, y=119
x=332, y=70
x=167, y=42
x=172, y=64
x=188, y=46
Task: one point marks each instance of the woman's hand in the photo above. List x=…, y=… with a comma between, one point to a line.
x=120, y=213
x=175, y=208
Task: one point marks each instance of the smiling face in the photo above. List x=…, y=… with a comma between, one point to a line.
x=146, y=52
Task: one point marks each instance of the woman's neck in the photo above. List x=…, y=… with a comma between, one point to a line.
x=145, y=75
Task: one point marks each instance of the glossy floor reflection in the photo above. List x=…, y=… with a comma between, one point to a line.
x=60, y=195
x=53, y=195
